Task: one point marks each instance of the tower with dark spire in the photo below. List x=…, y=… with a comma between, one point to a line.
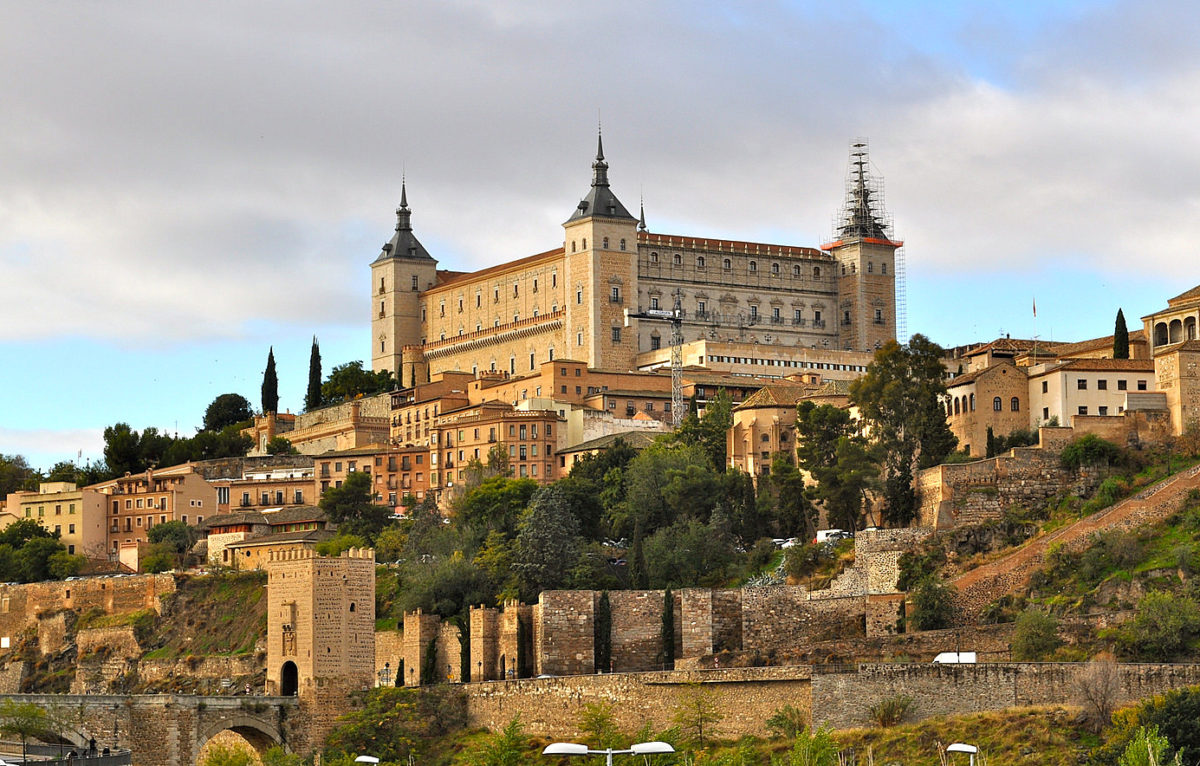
x=402, y=271
x=865, y=249
x=600, y=257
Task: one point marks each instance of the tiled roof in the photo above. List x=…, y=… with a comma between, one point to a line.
x=831, y=388
x=1066, y=350
x=452, y=278
x=237, y=517
x=775, y=396
x=294, y=514
x=1100, y=365
x=304, y=535
x=1185, y=296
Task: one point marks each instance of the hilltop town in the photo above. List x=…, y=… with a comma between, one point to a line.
x=632, y=473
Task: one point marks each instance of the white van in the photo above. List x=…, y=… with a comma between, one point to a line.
x=955, y=658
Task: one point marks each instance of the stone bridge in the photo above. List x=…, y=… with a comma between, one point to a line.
x=170, y=729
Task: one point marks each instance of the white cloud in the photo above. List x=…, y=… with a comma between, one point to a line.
x=44, y=446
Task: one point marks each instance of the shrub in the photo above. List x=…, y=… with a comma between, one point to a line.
x=1163, y=626
x=1090, y=450
x=1035, y=637
x=932, y=608
x=787, y=722
x=1096, y=691
x=890, y=711
x=812, y=749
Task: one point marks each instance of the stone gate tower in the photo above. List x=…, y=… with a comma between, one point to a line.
x=320, y=630
x=866, y=254
x=398, y=276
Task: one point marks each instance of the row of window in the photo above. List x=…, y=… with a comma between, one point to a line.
x=1101, y=385
x=787, y=363
x=41, y=511
x=752, y=266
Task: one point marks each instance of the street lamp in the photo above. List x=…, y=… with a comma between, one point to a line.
x=641, y=748
x=961, y=747
x=367, y=759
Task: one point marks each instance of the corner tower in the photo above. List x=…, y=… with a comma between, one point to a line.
x=600, y=257
x=866, y=253
x=403, y=270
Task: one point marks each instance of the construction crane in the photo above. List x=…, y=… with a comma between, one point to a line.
x=675, y=317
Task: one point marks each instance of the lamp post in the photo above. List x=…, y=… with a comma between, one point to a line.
x=641, y=748
x=367, y=759
x=962, y=747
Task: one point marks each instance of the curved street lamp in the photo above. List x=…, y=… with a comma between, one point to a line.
x=367, y=759
x=962, y=747
x=641, y=748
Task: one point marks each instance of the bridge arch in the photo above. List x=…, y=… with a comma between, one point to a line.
x=261, y=735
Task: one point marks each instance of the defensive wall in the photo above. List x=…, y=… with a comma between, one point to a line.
x=22, y=606
x=558, y=635
x=961, y=494
x=836, y=696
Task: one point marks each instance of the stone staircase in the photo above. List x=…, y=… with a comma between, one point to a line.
x=979, y=587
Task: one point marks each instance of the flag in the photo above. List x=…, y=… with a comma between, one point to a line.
x=1035, y=308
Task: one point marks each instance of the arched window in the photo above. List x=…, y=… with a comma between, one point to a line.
x=700, y=262
x=870, y=267
x=956, y=400
x=775, y=269
x=796, y=270
x=678, y=259
x=997, y=405
x=883, y=268
x=654, y=257
x=972, y=402
x=572, y=246
x=754, y=265
x=584, y=243
x=1015, y=404
x=816, y=271
x=622, y=243
x=727, y=265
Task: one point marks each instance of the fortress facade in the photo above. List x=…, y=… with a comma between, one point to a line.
x=573, y=302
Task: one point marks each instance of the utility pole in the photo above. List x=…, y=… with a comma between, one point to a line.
x=675, y=317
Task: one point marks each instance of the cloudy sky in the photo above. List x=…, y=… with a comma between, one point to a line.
x=183, y=185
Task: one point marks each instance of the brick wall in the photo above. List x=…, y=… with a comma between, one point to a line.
x=21, y=605
x=563, y=637
x=389, y=649
x=485, y=643
x=637, y=629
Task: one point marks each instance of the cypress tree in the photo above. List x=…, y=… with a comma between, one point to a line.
x=270, y=385
x=991, y=442
x=668, y=630
x=603, y=637
x=1120, y=337
x=638, y=576
x=312, y=399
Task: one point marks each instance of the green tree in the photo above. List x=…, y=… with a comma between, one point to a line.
x=280, y=445
x=816, y=748
x=1120, y=337
x=448, y=587
x=33, y=558
x=1163, y=626
x=687, y=554
x=496, y=503
x=24, y=720
x=352, y=507
x=932, y=607
x=508, y=747
x=602, y=627
x=598, y=724
x=276, y=756
x=667, y=634
x=991, y=443
x=176, y=535
x=312, y=398
x=831, y=450
x=646, y=479
x=547, y=544
x=899, y=397
x=639, y=576
x=1149, y=748
x=270, y=385
x=16, y=474
x=1035, y=638
x=160, y=558
x=350, y=380
x=1089, y=450
x=708, y=433
x=393, y=723
x=226, y=410
x=122, y=451
x=62, y=565
x=335, y=546
x=697, y=713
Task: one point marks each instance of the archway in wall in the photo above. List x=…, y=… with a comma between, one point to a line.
x=289, y=679
x=400, y=674
x=239, y=733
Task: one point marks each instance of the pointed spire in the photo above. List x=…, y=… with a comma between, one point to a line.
x=642, y=217
x=403, y=214
x=599, y=167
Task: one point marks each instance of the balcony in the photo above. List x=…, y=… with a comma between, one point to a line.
x=615, y=299
x=799, y=321
x=776, y=320
x=819, y=324
x=880, y=320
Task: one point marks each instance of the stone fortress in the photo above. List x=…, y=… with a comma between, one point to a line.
x=571, y=302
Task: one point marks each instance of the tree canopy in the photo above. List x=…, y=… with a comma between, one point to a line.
x=352, y=507
x=227, y=410
x=312, y=398
x=270, y=385
x=1120, y=337
x=350, y=380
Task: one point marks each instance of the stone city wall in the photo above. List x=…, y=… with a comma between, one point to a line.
x=22, y=606
x=843, y=700
x=550, y=707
